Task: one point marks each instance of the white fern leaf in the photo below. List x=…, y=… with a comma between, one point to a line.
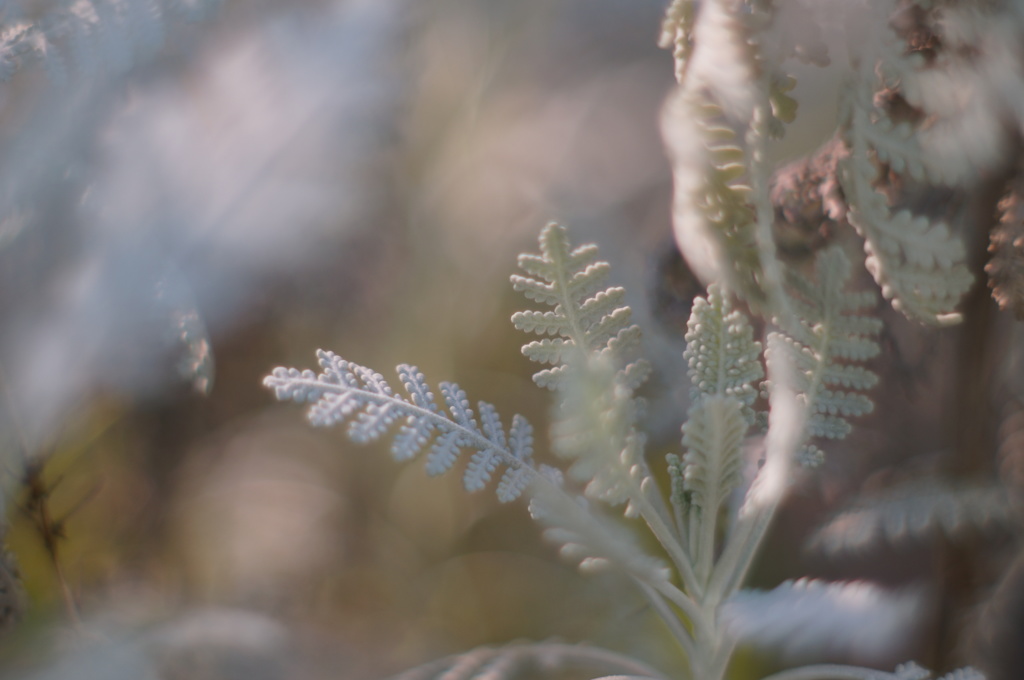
x=588, y=316
x=829, y=332
x=590, y=540
x=722, y=355
x=810, y=617
x=594, y=431
x=918, y=265
x=346, y=391
x=915, y=512
x=713, y=435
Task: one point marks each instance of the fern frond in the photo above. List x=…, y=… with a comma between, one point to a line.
x=808, y=617
x=916, y=511
x=345, y=391
x=588, y=539
x=722, y=355
x=730, y=101
x=595, y=430
x=713, y=436
x=589, y=317
x=525, y=661
x=918, y=265
x=828, y=333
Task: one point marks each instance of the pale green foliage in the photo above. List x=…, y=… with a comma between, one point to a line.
x=919, y=265
x=713, y=436
x=596, y=431
x=724, y=366
x=825, y=344
x=916, y=511
x=588, y=317
x=722, y=355
x=732, y=97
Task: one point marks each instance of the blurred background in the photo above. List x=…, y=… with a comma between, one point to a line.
x=193, y=195
x=195, y=192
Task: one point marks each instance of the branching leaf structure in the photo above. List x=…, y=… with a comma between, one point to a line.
x=724, y=366
x=588, y=317
x=347, y=391
x=595, y=373
x=595, y=379
x=826, y=344
x=916, y=511
x=918, y=264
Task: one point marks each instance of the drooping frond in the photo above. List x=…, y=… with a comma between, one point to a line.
x=919, y=265
x=915, y=512
x=808, y=617
x=731, y=99
x=528, y=661
x=588, y=316
x=722, y=355
x=825, y=344
x=345, y=391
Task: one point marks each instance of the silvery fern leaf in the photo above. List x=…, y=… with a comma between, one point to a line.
x=731, y=99
x=526, y=661
x=920, y=266
x=588, y=317
x=594, y=429
x=713, y=436
x=822, y=344
x=722, y=355
x=916, y=512
x=810, y=617
x=588, y=539
x=345, y=391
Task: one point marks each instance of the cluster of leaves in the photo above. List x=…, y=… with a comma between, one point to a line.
x=590, y=349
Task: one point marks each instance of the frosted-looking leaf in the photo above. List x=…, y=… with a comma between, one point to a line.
x=346, y=391
x=914, y=512
x=588, y=316
x=817, y=618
